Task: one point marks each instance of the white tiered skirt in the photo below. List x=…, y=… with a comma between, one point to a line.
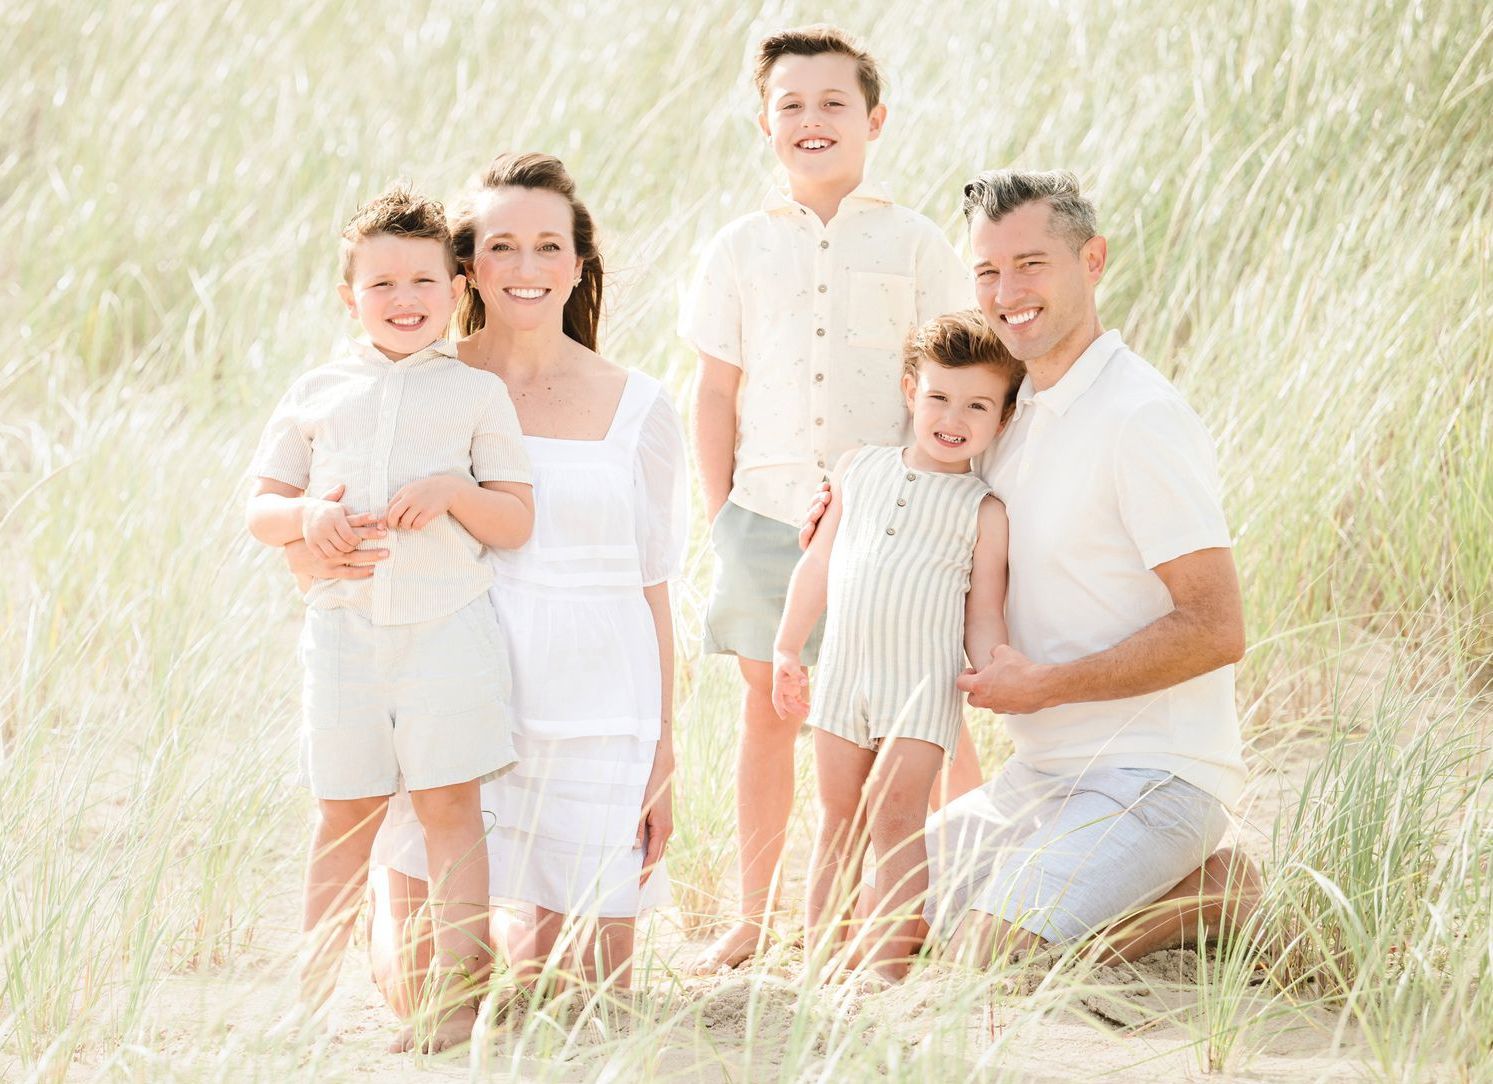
x=586, y=705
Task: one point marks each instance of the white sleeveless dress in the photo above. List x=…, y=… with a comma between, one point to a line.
x=611, y=517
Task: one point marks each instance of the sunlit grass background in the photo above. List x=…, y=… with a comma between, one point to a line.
x=1297, y=198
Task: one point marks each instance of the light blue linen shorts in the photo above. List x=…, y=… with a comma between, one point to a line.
x=1063, y=856
x=754, y=559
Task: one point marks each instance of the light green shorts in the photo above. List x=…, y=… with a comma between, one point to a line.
x=754, y=559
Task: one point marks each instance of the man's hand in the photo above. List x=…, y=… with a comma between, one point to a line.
x=814, y=515
x=325, y=528
x=419, y=504
x=790, y=685
x=1010, y=683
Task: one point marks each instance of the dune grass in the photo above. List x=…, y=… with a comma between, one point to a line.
x=1297, y=203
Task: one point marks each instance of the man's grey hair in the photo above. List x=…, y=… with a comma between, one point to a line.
x=997, y=192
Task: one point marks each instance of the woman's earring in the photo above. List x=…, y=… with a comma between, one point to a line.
x=576, y=283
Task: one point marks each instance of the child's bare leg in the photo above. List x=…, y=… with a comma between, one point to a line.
x=336, y=873
x=607, y=954
x=896, y=808
x=764, y=799
x=532, y=948
x=840, y=771
x=451, y=819
x=398, y=938
x=960, y=775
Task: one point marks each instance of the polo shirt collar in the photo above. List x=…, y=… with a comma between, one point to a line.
x=364, y=350
x=868, y=192
x=1078, y=379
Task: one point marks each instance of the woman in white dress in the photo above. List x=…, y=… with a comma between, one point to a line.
x=577, y=830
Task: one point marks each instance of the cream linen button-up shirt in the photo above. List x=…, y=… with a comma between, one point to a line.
x=814, y=315
x=376, y=425
x=1105, y=475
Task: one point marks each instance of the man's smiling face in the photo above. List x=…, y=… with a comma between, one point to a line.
x=1034, y=288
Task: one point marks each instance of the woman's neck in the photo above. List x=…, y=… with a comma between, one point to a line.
x=515, y=354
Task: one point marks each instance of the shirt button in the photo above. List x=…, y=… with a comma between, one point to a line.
x=818, y=421
x=911, y=477
x=819, y=378
x=824, y=244
x=891, y=530
x=901, y=502
x=821, y=464
x=823, y=288
x=819, y=331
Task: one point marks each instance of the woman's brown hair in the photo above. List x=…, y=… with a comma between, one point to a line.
x=539, y=171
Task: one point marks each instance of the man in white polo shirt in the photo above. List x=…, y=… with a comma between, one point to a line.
x=1124, y=612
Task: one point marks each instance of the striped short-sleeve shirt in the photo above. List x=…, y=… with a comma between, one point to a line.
x=375, y=425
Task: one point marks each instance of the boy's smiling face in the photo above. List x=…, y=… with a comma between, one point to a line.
x=956, y=411
x=402, y=292
x=815, y=114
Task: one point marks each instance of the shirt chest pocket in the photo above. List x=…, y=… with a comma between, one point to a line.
x=883, y=309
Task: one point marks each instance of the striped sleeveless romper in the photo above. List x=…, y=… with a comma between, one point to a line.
x=898, y=574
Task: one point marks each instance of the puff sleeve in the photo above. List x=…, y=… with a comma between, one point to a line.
x=661, y=483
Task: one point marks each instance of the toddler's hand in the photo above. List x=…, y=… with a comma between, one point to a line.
x=326, y=530
x=418, y=504
x=790, y=685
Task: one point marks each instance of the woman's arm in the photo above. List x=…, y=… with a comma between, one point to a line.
x=657, y=822
x=307, y=565
x=985, y=604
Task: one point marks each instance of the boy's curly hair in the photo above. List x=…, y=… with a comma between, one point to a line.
x=812, y=41
x=957, y=339
x=400, y=212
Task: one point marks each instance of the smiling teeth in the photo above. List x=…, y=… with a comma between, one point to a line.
x=1021, y=318
x=527, y=293
x=814, y=144
x=950, y=438
x=405, y=321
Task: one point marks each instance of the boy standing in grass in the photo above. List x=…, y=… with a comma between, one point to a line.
x=798, y=315
x=406, y=676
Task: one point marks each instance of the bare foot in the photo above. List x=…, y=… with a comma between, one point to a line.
x=452, y=1029
x=741, y=941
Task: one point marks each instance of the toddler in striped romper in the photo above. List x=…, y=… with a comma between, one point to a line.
x=910, y=562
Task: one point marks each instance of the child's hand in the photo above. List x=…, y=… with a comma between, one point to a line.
x=418, y=504
x=790, y=685
x=326, y=530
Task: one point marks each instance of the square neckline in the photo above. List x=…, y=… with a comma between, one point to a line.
x=627, y=384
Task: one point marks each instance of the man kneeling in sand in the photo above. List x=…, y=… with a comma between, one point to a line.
x=1125, y=621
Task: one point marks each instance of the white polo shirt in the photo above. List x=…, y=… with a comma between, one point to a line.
x=1106, y=475
x=814, y=315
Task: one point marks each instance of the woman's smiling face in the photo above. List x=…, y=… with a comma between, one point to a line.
x=523, y=258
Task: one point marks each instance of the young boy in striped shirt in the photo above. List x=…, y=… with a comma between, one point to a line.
x=406, y=672
x=910, y=562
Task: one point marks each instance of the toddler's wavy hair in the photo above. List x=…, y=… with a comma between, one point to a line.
x=957, y=339
x=399, y=212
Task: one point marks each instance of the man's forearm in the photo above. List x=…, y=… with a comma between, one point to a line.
x=1172, y=649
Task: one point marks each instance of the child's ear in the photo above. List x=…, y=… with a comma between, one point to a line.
x=878, y=118
x=458, y=286
x=345, y=292
x=909, y=388
x=762, y=123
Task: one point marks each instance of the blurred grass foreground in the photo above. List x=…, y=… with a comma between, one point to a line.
x=1297, y=199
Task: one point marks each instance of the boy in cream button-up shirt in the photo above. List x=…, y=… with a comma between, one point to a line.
x=798, y=315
